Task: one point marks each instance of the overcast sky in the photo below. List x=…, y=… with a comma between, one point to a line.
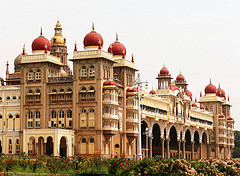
x=200, y=38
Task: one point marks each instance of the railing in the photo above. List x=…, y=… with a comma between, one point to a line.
x=40, y=57
x=92, y=53
x=60, y=79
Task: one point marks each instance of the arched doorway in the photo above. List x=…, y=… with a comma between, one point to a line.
x=204, y=146
x=156, y=143
x=145, y=144
x=49, y=148
x=32, y=146
x=173, y=142
x=40, y=146
x=188, y=144
x=196, y=145
x=63, y=147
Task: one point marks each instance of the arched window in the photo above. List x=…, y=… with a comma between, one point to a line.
x=0, y=99
x=84, y=72
x=83, y=93
x=91, y=93
x=8, y=98
x=38, y=115
x=69, y=90
x=69, y=114
x=38, y=96
x=30, y=91
x=30, y=115
x=38, y=74
x=14, y=97
x=61, y=114
x=10, y=116
x=10, y=146
x=17, y=146
x=83, y=146
x=91, y=118
x=54, y=114
x=54, y=90
x=0, y=116
x=30, y=75
x=84, y=140
x=84, y=89
x=17, y=116
x=83, y=118
x=61, y=90
x=91, y=146
x=92, y=71
x=38, y=91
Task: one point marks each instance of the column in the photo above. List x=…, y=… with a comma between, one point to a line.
x=168, y=154
x=225, y=153
x=200, y=150
x=162, y=142
x=150, y=147
x=36, y=149
x=45, y=148
x=208, y=151
x=192, y=150
x=183, y=149
x=179, y=145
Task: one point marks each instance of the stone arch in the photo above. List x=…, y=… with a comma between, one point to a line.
x=49, y=145
x=63, y=146
x=173, y=138
x=156, y=142
x=144, y=125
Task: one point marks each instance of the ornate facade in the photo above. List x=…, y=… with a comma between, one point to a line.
x=47, y=109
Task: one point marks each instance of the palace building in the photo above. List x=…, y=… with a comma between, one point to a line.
x=48, y=109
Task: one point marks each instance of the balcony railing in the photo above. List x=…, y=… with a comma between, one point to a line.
x=60, y=79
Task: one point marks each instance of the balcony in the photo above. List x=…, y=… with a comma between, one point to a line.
x=110, y=116
x=110, y=102
x=222, y=135
x=132, y=107
x=131, y=120
x=110, y=127
x=60, y=79
x=132, y=131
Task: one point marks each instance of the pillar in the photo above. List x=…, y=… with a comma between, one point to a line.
x=225, y=153
x=192, y=150
x=162, y=142
x=150, y=147
x=183, y=149
x=36, y=149
x=208, y=151
x=168, y=154
x=179, y=145
x=200, y=150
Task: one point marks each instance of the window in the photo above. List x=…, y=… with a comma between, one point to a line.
x=54, y=114
x=83, y=93
x=38, y=75
x=0, y=99
x=83, y=118
x=0, y=116
x=91, y=110
x=106, y=110
x=30, y=115
x=38, y=91
x=30, y=75
x=8, y=98
x=91, y=94
x=70, y=123
x=30, y=124
x=54, y=90
x=10, y=116
x=84, y=140
x=61, y=114
x=17, y=146
x=17, y=116
x=92, y=71
x=37, y=124
x=14, y=97
x=10, y=146
x=38, y=115
x=62, y=90
x=84, y=72
x=69, y=114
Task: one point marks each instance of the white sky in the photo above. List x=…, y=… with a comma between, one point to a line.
x=200, y=38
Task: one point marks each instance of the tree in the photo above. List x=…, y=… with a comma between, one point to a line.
x=236, y=149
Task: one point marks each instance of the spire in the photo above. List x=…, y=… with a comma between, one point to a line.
x=228, y=98
x=75, y=46
x=7, y=71
x=93, y=26
x=116, y=37
x=210, y=81
x=41, y=34
x=195, y=99
x=132, y=57
x=23, y=53
x=46, y=48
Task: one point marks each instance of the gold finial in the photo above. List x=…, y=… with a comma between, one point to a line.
x=93, y=26
x=210, y=81
x=75, y=46
x=164, y=64
x=219, y=86
x=23, y=46
x=75, y=43
x=116, y=37
x=110, y=46
x=41, y=32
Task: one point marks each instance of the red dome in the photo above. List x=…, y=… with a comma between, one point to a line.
x=93, y=39
x=132, y=90
x=174, y=88
x=194, y=105
x=40, y=43
x=210, y=88
x=188, y=93
x=152, y=92
x=110, y=83
x=220, y=92
x=230, y=118
x=202, y=107
x=221, y=116
x=164, y=71
x=117, y=48
x=180, y=77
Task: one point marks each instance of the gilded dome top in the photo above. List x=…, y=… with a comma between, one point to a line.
x=58, y=39
x=58, y=25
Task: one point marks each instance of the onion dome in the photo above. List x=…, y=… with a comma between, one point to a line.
x=110, y=83
x=194, y=105
x=188, y=93
x=17, y=60
x=40, y=43
x=210, y=88
x=152, y=92
x=174, y=88
x=230, y=118
x=93, y=39
x=180, y=77
x=221, y=116
x=164, y=71
x=117, y=48
x=132, y=90
x=202, y=107
x=220, y=92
